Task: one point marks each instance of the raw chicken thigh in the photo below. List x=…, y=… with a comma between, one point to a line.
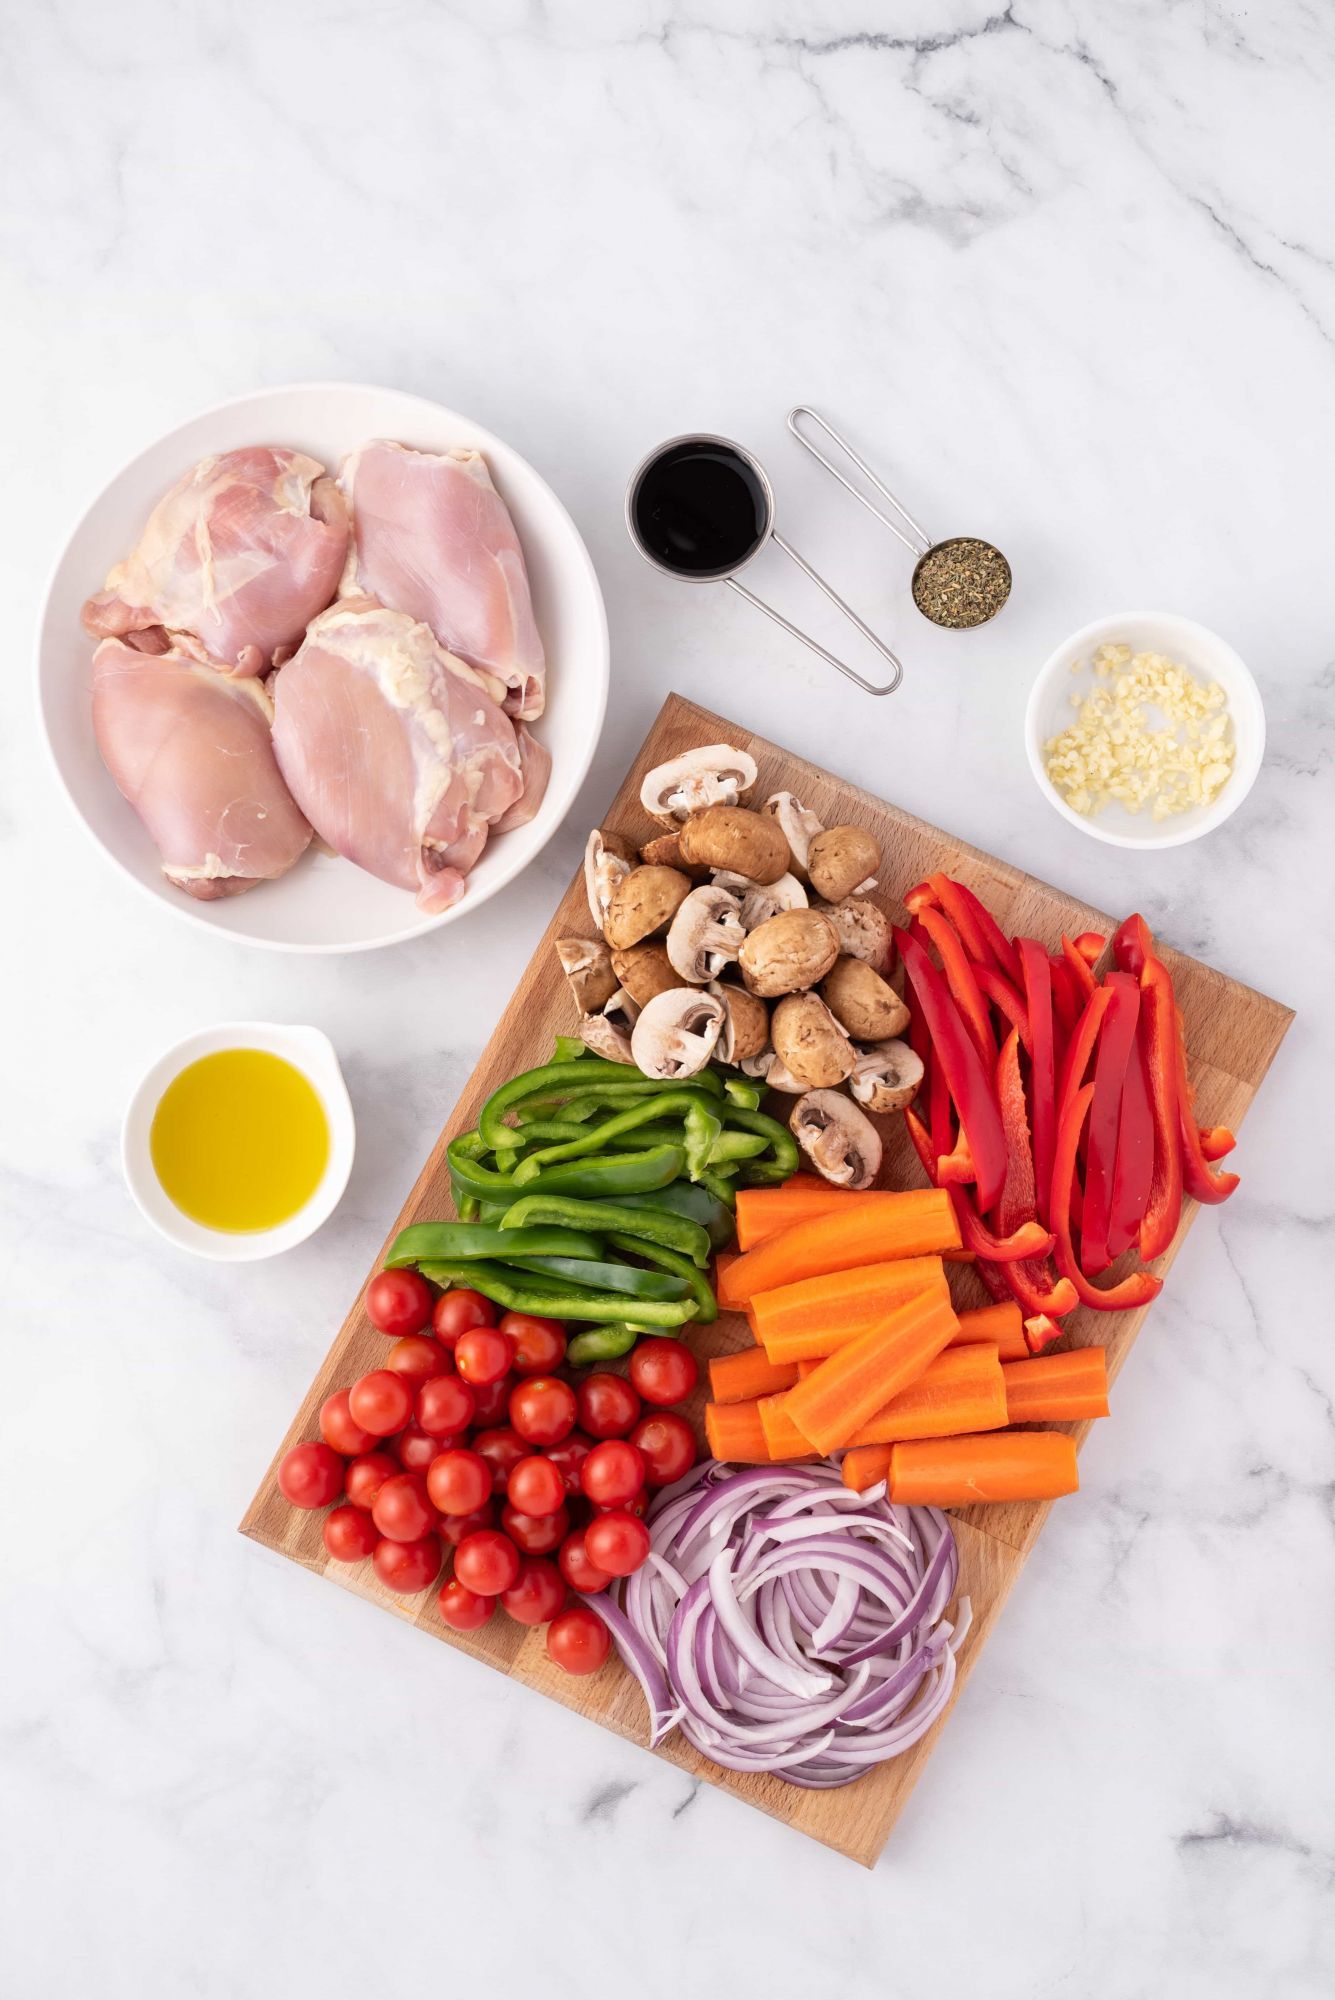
x=433, y=537
x=242, y=553
x=191, y=750
x=394, y=749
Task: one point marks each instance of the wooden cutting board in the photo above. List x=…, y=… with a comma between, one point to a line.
x=1232, y=1034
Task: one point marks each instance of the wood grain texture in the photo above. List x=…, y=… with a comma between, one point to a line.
x=1232, y=1034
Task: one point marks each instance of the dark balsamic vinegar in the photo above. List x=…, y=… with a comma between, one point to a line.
x=699, y=509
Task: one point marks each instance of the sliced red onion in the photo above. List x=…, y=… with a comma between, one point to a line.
x=788, y=1624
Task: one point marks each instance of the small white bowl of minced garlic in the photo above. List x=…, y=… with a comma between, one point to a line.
x=1145, y=730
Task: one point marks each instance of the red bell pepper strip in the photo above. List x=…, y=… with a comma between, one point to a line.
x=980, y=934
x=1158, y=1033
x=1139, y=1287
x=1040, y=1331
x=1002, y=950
x=1133, y=945
x=1116, y=1048
x=1199, y=1178
x=970, y=1085
x=1067, y=999
x=1081, y=1046
x=1028, y=1241
x=1037, y=973
x=960, y=979
x=995, y=987
x=1134, y=1170
x=1082, y=976
x=935, y=1091
x=1037, y=1290
x=1030, y=1280
x=1090, y=945
x=1217, y=1142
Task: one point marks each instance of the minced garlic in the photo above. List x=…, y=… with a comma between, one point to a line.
x=1114, y=751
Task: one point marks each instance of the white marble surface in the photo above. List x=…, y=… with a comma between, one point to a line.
x=1066, y=271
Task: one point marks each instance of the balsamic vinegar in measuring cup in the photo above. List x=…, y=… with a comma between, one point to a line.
x=700, y=508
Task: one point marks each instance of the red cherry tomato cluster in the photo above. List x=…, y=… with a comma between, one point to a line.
x=468, y=1445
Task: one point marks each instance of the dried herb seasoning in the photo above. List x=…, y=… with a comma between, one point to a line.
x=961, y=582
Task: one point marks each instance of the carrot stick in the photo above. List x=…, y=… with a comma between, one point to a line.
x=723, y=1260
x=739, y=1378
x=1057, y=1388
x=848, y=1389
x=910, y=1224
x=1001, y=1326
x=865, y=1465
x=962, y=1390
x=783, y=1440
x=734, y=1431
x=814, y=1317
x=1005, y=1465
x=764, y=1211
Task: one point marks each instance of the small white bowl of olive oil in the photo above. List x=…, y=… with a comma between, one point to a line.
x=239, y=1141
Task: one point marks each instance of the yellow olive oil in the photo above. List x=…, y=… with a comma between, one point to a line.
x=239, y=1140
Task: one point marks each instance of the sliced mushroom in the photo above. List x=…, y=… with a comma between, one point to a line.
x=746, y=1030
x=609, y=1032
x=798, y=825
x=731, y=837
x=788, y=953
x=839, y=1140
x=664, y=851
x=714, y=775
x=886, y=1076
x=645, y=970
x=607, y=858
x=863, y=931
x=706, y=935
x=643, y=902
x=843, y=861
x=587, y=964
x=864, y=1003
x=809, y=1042
x=761, y=901
x=677, y=1032
x=772, y=1073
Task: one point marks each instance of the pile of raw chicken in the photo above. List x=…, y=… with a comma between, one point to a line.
x=288, y=656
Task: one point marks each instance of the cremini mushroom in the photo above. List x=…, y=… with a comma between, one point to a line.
x=839, y=1140
x=645, y=970
x=862, y=1002
x=809, y=1042
x=798, y=825
x=745, y=843
x=706, y=934
x=643, y=902
x=587, y=965
x=746, y=1029
x=664, y=851
x=788, y=953
x=713, y=775
x=760, y=901
x=843, y=861
x=607, y=859
x=886, y=1076
x=771, y=1072
x=863, y=931
x=608, y=1033
x=677, y=1032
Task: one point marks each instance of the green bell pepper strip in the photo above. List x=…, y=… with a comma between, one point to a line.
x=601, y=1276
x=693, y=1200
x=732, y=1146
x=523, y=1291
x=606, y=1343
x=706, y=1305
x=569, y=1078
x=742, y=1091
x=569, y=1048
x=621, y=1173
x=470, y=1208
x=596, y=1138
x=653, y=1225
x=452, y=1240
x=781, y=1143
x=702, y=1129
x=720, y=1186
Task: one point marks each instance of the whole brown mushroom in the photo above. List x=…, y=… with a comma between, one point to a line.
x=841, y=861
x=643, y=903
x=644, y=970
x=745, y=843
x=810, y=1043
x=788, y=953
x=862, y=1002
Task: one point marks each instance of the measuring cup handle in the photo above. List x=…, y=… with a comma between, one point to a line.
x=814, y=645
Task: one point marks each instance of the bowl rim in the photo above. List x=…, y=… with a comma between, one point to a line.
x=1249, y=753
x=566, y=791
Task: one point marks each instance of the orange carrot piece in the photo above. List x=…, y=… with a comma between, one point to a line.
x=783, y=1439
x=1004, y=1465
x=848, y=1389
x=734, y=1431
x=1057, y=1388
x=962, y=1390
x=999, y=1326
x=805, y=1368
x=723, y=1260
x=740, y=1378
x=808, y=1320
x=865, y=1465
x=763, y=1212
x=914, y=1223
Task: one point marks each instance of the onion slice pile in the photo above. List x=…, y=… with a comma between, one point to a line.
x=789, y=1625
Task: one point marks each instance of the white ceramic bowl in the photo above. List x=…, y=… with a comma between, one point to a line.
x=307, y=1050
x=325, y=903
x=1191, y=645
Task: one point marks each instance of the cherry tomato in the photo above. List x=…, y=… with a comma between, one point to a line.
x=578, y=1640
x=337, y=1428
x=542, y=1409
x=502, y=1449
x=399, y=1302
x=418, y=1357
x=663, y=1371
x=463, y=1609
x=458, y=1482
x=401, y=1509
x=608, y=1406
x=535, y=1534
x=569, y=1456
x=311, y=1475
x=537, y=1593
x=613, y=1473
x=578, y=1571
x=539, y=1344
x=408, y=1566
x=487, y=1562
x=482, y=1355
x=381, y=1402
x=367, y=1474
x=415, y=1448
x=457, y=1311
x=667, y=1444
x=454, y=1527
x=445, y=1406
x=349, y=1534
x=535, y=1486
x=491, y=1401
x=616, y=1542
